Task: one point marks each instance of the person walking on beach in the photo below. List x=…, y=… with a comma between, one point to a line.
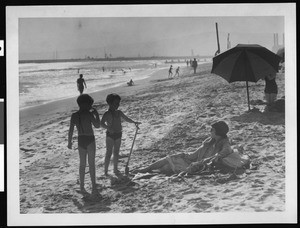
x=111, y=121
x=194, y=65
x=271, y=89
x=80, y=83
x=84, y=119
x=170, y=72
x=177, y=72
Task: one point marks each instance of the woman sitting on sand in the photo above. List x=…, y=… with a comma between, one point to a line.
x=214, y=149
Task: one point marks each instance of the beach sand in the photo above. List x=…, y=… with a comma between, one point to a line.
x=176, y=116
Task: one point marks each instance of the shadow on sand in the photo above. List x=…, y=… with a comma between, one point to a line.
x=117, y=186
x=266, y=118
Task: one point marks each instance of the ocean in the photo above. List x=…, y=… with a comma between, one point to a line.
x=41, y=83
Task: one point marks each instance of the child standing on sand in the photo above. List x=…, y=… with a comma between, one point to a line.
x=111, y=121
x=83, y=120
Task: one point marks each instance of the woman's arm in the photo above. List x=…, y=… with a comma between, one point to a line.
x=224, y=151
x=194, y=155
x=198, y=154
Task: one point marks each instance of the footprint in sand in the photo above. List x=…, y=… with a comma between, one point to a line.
x=35, y=210
x=204, y=205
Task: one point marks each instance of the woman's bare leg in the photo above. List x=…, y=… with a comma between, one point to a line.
x=156, y=165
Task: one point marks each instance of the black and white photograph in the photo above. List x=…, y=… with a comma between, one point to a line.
x=2, y=144
x=151, y=114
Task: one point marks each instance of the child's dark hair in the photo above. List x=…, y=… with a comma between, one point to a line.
x=85, y=99
x=111, y=97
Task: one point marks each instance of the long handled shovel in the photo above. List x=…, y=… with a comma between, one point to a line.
x=127, y=168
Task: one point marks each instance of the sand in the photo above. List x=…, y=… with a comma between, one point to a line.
x=176, y=116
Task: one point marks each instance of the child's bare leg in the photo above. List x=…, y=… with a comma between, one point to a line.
x=117, y=145
x=82, y=164
x=109, y=148
x=91, y=160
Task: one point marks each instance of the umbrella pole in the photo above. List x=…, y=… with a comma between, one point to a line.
x=248, y=95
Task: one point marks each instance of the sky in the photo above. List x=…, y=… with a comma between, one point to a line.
x=48, y=38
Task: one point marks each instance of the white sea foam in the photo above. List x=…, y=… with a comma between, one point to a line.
x=40, y=83
x=45, y=82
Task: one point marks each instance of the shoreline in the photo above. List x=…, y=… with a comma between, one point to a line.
x=64, y=104
x=99, y=96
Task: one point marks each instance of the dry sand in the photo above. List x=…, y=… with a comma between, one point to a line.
x=176, y=116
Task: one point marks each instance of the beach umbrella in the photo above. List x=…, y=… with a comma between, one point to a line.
x=245, y=62
x=281, y=53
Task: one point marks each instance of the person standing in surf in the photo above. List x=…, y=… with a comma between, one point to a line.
x=170, y=72
x=177, y=72
x=80, y=84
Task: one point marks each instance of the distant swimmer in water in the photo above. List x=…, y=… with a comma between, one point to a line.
x=130, y=83
x=80, y=84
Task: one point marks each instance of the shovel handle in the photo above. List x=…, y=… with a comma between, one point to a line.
x=137, y=128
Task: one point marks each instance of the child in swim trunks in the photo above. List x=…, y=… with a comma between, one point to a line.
x=84, y=119
x=111, y=121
